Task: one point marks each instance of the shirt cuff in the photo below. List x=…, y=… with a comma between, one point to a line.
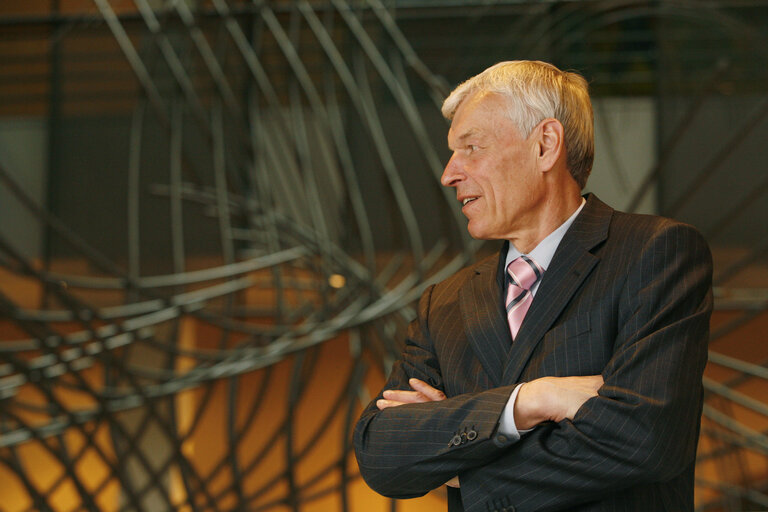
x=507, y=422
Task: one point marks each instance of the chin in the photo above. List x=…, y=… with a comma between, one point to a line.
x=478, y=233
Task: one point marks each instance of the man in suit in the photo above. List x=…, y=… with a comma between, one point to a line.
x=564, y=373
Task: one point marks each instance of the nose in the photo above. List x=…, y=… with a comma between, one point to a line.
x=452, y=173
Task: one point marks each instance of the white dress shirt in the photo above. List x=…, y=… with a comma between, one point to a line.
x=542, y=255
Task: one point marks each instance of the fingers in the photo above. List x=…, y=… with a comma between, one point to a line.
x=384, y=404
x=407, y=397
x=396, y=397
x=453, y=482
x=433, y=394
x=423, y=392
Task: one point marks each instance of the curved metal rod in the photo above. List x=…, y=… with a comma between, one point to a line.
x=734, y=442
x=738, y=209
x=217, y=75
x=43, y=333
x=317, y=105
x=96, y=257
x=403, y=100
x=734, y=324
x=393, y=84
x=226, y=271
x=171, y=58
x=734, y=491
x=757, y=254
x=207, y=54
x=308, y=168
x=77, y=419
x=750, y=435
x=176, y=66
x=66, y=419
x=374, y=132
x=177, y=212
x=324, y=424
x=133, y=211
x=683, y=10
x=736, y=397
x=670, y=144
x=353, y=191
x=270, y=233
x=616, y=168
x=245, y=50
x=738, y=136
x=58, y=452
x=256, y=70
x=407, y=215
x=38, y=499
x=142, y=74
x=49, y=220
x=230, y=362
x=225, y=231
x=220, y=180
x=439, y=88
x=740, y=366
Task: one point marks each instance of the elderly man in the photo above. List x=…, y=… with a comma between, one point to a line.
x=564, y=373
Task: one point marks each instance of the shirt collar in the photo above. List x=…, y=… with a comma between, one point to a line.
x=545, y=251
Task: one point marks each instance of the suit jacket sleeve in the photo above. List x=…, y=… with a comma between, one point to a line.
x=406, y=451
x=643, y=427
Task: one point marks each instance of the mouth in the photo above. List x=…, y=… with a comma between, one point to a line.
x=467, y=200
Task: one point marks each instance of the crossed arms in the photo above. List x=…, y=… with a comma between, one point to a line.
x=638, y=426
x=541, y=400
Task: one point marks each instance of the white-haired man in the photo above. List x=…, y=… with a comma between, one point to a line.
x=564, y=373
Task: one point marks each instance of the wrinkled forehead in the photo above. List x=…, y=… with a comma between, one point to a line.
x=481, y=102
x=480, y=114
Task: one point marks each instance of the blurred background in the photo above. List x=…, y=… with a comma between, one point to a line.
x=215, y=216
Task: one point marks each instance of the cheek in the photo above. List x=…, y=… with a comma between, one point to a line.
x=507, y=187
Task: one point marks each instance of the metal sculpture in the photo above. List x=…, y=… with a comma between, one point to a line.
x=200, y=381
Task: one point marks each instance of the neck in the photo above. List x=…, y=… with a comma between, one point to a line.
x=555, y=209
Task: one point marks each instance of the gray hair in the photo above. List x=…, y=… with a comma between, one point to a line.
x=536, y=91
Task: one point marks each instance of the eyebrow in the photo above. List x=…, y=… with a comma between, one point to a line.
x=467, y=134
x=464, y=136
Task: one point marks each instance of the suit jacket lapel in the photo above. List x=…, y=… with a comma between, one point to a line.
x=484, y=321
x=570, y=266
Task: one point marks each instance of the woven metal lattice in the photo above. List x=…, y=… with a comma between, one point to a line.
x=229, y=261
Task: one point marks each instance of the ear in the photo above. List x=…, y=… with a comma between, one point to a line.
x=550, y=145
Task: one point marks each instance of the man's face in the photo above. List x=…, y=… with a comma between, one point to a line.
x=493, y=169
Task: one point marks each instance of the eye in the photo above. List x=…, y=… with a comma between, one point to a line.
x=471, y=148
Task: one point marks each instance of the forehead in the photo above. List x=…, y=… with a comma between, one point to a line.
x=481, y=114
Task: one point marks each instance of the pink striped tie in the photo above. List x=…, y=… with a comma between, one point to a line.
x=523, y=273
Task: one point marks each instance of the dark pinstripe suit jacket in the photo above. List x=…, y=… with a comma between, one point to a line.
x=625, y=296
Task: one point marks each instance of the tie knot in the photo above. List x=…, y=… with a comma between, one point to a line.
x=524, y=272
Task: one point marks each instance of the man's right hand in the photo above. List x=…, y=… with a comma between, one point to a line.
x=421, y=392
x=553, y=399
